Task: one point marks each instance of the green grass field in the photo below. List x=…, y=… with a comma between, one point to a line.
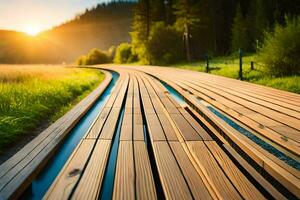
x=229, y=67
x=31, y=95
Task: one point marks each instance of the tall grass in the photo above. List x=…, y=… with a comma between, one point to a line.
x=30, y=95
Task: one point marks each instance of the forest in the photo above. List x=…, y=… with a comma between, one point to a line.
x=208, y=27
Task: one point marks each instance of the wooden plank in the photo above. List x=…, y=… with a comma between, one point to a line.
x=172, y=180
x=193, y=179
x=124, y=184
x=167, y=127
x=126, y=128
x=109, y=127
x=222, y=186
x=145, y=187
x=266, y=112
x=252, y=97
x=289, y=132
x=204, y=135
x=97, y=126
x=187, y=131
x=138, y=132
x=70, y=174
x=265, y=184
x=268, y=133
x=241, y=183
x=154, y=127
x=91, y=181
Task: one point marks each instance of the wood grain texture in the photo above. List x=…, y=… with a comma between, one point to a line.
x=212, y=170
x=196, y=185
x=124, y=184
x=70, y=174
x=91, y=181
x=264, y=183
x=241, y=183
x=145, y=187
x=172, y=179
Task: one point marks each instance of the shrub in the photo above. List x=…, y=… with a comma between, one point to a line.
x=281, y=49
x=95, y=56
x=165, y=44
x=124, y=54
x=111, y=52
x=81, y=60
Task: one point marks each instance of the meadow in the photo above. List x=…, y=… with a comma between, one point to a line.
x=228, y=66
x=32, y=95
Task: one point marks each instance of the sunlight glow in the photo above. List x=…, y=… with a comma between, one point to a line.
x=32, y=30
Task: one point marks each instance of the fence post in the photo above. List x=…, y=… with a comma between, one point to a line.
x=252, y=65
x=207, y=63
x=241, y=64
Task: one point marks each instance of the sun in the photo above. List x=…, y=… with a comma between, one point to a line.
x=32, y=30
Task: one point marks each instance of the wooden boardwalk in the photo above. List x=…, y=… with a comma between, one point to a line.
x=227, y=140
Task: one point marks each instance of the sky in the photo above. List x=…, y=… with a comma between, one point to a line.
x=37, y=15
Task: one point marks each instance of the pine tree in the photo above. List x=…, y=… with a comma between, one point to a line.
x=186, y=20
x=239, y=37
x=141, y=29
x=257, y=22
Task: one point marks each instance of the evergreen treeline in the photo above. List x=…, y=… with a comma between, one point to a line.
x=169, y=30
x=99, y=27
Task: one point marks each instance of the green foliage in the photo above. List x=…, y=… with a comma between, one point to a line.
x=37, y=97
x=140, y=31
x=281, y=49
x=257, y=23
x=187, y=20
x=95, y=56
x=164, y=44
x=240, y=39
x=124, y=54
x=228, y=66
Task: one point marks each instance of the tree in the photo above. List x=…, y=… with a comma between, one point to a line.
x=141, y=30
x=124, y=54
x=186, y=20
x=257, y=22
x=239, y=39
x=280, y=51
x=164, y=46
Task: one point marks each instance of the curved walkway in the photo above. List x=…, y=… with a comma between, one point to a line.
x=211, y=138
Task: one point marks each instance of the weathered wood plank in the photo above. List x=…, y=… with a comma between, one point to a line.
x=69, y=176
x=172, y=180
x=223, y=187
x=91, y=181
x=193, y=179
x=124, y=184
x=241, y=183
x=145, y=187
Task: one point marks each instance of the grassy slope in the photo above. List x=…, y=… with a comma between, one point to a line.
x=229, y=67
x=31, y=95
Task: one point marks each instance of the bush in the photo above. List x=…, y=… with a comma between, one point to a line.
x=165, y=44
x=95, y=56
x=124, y=54
x=111, y=52
x=281, y=49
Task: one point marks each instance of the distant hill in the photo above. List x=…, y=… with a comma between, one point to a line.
x=100, y=27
